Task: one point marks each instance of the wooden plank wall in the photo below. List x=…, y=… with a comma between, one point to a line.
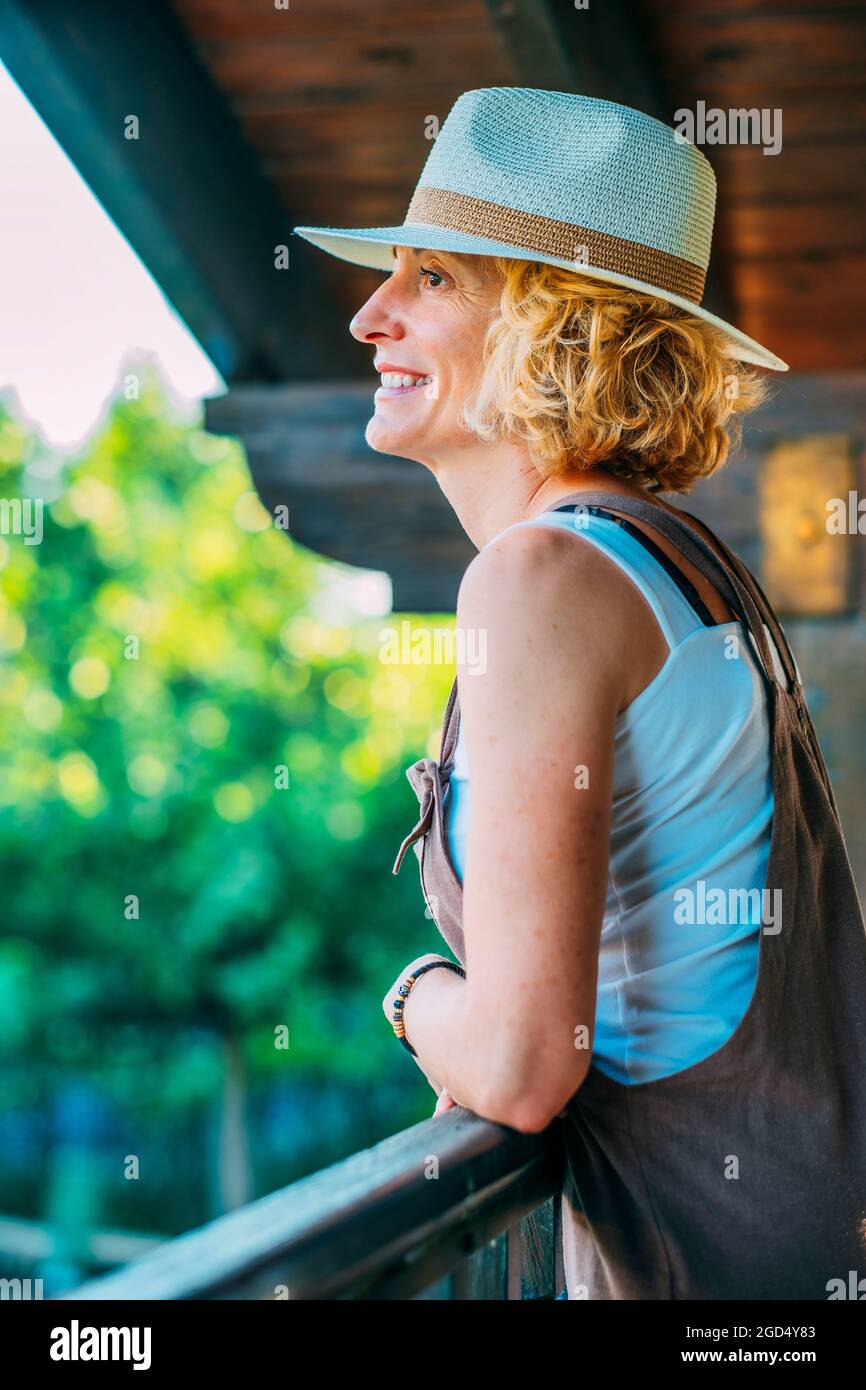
x=790, y=228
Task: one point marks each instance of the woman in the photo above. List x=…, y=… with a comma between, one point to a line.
x=650, y=895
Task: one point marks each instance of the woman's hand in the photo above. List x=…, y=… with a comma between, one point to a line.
x=445, y=1102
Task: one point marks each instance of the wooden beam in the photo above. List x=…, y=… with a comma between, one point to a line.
x=532, y=37
x=597, y=51
x=187, y=192
x=306, y=451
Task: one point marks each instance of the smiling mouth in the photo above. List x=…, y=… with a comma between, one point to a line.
x=402, y=383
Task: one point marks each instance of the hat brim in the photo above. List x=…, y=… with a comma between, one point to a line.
x=371, y=247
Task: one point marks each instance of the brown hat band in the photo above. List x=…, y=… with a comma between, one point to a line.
x=459, y=212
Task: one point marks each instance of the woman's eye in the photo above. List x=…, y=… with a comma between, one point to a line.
x=433, y=277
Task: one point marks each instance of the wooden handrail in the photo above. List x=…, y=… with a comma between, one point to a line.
x=387, y=1222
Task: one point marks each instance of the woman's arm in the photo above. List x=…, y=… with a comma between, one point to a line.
x=513, y=1040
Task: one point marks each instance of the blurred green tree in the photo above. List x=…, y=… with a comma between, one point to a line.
x=201, y=785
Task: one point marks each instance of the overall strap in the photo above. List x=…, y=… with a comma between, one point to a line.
x=686, y=588
x=764, y=607
x=737, y=590
x=450, y=725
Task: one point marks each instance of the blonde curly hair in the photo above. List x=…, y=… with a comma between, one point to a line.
x=588, y=373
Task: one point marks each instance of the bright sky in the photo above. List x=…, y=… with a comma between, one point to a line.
x=75, y=300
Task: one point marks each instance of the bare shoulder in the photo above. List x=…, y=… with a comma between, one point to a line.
x=537, y=566
x=547, y=592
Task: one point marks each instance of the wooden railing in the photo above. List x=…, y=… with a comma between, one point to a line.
x=455, y=1207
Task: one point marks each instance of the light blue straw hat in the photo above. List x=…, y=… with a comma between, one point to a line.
x=569, y=180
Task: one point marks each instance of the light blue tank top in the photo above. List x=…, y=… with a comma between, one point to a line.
x=692, y=813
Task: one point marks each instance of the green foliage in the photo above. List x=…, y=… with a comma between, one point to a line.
x=151, y=775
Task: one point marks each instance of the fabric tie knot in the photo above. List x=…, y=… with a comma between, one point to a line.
x=424, y=776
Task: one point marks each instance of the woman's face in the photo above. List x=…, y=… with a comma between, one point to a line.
x=427, y=322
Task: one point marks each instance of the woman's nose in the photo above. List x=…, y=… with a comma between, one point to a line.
x=377, y=318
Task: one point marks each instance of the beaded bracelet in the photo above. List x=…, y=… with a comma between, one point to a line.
x=403, y=991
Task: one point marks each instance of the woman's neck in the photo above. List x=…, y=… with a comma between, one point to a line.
x=492, y=491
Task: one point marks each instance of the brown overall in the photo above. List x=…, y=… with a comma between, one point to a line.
x=744, y=1175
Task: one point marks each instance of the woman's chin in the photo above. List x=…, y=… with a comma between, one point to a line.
x=388, y=438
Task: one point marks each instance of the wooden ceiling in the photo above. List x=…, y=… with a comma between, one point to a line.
x=333, y=96
x=791, y=228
